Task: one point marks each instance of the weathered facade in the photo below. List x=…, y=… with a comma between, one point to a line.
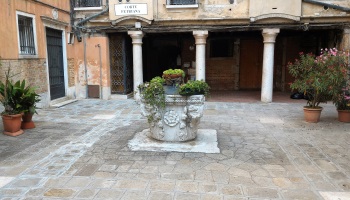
x=34, y=45
x=232, y=44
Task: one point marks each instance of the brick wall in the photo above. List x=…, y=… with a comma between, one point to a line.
x=32, y=70
x=71, y=74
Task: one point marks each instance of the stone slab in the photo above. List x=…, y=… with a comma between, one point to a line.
x=335, y=195
x=103, y=116
x=205, y=142
x=4, y=180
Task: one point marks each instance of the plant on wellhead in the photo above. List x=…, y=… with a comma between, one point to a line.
x=319, y=77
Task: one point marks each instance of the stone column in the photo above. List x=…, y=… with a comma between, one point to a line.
x=137, y=60
x=345, y=42
x=267, y=74
x=201, y=40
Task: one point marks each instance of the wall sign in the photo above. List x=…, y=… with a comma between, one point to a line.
x=131, y=9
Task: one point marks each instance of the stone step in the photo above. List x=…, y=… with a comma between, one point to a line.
x=61, y=102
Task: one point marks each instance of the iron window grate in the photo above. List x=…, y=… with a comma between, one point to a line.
x=87, y=3
x=181, y=2
x=26, y=35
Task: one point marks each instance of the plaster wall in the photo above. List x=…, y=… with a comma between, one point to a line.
x=8, y=27
x=91, y=69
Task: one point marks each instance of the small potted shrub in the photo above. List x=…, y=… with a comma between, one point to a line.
x=317, y=77
x=13, y=112
x=28, y=102
x=342, y=103
x=173, y=77
x=194, y=88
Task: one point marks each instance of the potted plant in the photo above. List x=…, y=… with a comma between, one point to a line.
x=194, y=88
x=28, y=102
x=173, y=77
x=342, y=103
x=13, y=112
x=172, y=118
x=317, y=77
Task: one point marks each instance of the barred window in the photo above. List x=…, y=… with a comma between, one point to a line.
x=181, y=2
x=87, y=3
x=26, y=35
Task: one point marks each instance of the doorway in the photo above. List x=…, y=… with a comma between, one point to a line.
x=55, y=63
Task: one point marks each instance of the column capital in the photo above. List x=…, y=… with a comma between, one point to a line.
x=136, y=36
x=200, y=36
x=270, y=34
x=347, y=30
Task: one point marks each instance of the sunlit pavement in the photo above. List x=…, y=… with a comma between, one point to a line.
x=267, y=151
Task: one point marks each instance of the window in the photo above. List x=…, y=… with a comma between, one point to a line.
x=87, y=3
x=26, y=34
x=221, y=48
x=182, y=4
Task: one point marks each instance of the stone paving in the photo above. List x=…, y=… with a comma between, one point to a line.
x=80, y=151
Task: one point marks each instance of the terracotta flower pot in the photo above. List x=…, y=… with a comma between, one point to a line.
x=27, y=122
x=344, y=116
x=312, y=115
x=12, y=124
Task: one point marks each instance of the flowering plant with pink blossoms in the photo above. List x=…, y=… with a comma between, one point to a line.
x=321, y=78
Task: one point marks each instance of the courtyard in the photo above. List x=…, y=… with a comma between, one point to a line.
x=267, y=151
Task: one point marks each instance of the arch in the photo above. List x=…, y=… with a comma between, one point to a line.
x=274, y=15
x=115, y=22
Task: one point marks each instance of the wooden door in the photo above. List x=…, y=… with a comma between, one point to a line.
x=251, y=57
x=55, y=63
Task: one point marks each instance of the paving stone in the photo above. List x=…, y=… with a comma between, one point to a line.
x=12, y=192
x=184, y=186
x=135, y=195
x=261, y=192
x=282, y=182
x=26, y=182
x=87, y=170
x=208, y=188
x=178, y=176
x=58, y=192
x=109, y=194
x=102, y=183
x=131, y=184
x=221, y=177
x=211, y=197
x=299, y=194
x=239, y=172
x=230, y=190
x=87, y=194
x=160, y=196
x=36, y=192
x=78, y=182
x=162, y=185
x=186, y=196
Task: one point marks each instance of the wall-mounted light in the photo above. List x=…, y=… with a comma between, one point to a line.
x=70, y=38
x=191, y=47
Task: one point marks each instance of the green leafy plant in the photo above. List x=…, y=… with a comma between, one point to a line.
x=174, y=71
x=194, y=88
x=153, y=93
x=17, y=97
x=342, y=100
x=28, y=99
x=318, y=77
x=10, y=94
x=158, y=79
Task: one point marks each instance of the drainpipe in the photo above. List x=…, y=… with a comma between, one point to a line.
x=99, y=51
x=85, y=68
x=328, y=5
